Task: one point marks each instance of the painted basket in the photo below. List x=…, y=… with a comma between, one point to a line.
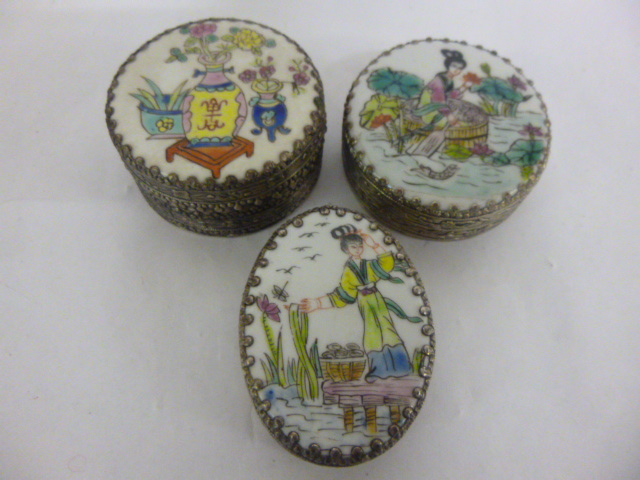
x=467, y=136
x=343, y=369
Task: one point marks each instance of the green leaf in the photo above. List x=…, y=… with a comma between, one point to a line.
x=197, y=50
x=500, y=159
x=212, y=38
x=458, y=152
x=282, y=376
x=234, y=30
x=152, y=100
x=228, y=38
x=174, y=96
x=256, y=51
x=184, y=30
x=143, y=100
x=156, y=89
x=526, y=172
x=379, y=105
x=190, y=41
x=526, y=152
x=486, y=69
x=270, y=43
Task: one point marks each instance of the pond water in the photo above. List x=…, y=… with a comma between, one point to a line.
x=322, y=424
x=475, y=180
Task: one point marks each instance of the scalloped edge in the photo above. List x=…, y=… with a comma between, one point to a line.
x=313, y=454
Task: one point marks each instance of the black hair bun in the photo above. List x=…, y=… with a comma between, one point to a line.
x=454, y=55
x=343, y=230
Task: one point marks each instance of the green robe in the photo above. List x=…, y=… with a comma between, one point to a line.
x=358, y=286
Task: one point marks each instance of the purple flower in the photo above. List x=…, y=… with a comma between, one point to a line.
x=531, y=131
x=517, y=83
x=267, y=71
x=482, y=150
x=248, y=76
x=301, y=78
x=271, y=310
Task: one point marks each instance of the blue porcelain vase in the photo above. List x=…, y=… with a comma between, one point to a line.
x=269, y=109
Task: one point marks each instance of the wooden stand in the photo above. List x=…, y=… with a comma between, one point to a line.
x=213, y=158
x=394, y=393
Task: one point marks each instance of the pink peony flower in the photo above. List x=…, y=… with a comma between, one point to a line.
x=248, y=76
x=267, y=71
x=301, y=78
x=202, y=29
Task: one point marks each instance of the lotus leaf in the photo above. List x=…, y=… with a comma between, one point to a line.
x=376, y=106
x=458, y=151
x=498, y=90
x=395, y=84
x=526, y=152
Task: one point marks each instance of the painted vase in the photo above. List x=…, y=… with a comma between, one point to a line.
x=216, y=108
x=269, y=109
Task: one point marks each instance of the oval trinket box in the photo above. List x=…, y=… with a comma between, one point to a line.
x=221, y=122
x=443, y=140
x=336, y=337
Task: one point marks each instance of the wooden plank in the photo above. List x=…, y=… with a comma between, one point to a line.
x=372, y=400
x=350, y=400
x=389, y=387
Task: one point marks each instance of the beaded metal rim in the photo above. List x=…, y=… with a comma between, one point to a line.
x=252, y=178
x=491, y=214
x=335, y=457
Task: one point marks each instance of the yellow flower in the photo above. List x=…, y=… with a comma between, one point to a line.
x=247, y=39
x=164, y=124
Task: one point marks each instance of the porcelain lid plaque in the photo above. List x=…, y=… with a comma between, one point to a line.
x=336, y=337
x=221, y=123
x=442, y=139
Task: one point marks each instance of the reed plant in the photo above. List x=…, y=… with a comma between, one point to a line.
x=306, y=375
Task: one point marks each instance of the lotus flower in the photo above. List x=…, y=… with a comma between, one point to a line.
x=482, y=150
x=517, y=83
x=531, y=131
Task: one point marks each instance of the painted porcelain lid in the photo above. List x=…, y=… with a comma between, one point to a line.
x=448, y=123
x=216, y=98
x=337, y=338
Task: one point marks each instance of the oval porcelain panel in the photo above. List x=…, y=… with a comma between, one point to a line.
x=336, y=337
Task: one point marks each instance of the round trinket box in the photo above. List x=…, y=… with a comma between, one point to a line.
x=336, y=337
x=221, y=122
x=443, y=140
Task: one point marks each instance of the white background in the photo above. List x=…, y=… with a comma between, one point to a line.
x=118, y=331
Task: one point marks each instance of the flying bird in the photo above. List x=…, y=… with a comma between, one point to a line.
x=321, y=224
x=307, y=235
x=313, y=257
x=287, y=270
x=301, y=249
